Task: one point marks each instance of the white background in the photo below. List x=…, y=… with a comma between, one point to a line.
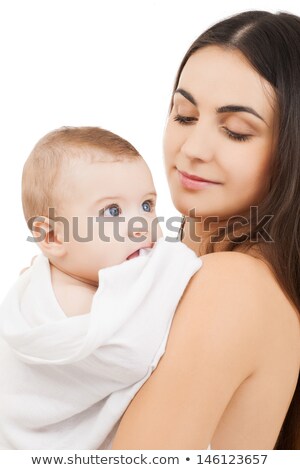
x=107, y=63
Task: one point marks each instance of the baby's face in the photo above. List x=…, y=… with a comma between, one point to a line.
x=103, y=202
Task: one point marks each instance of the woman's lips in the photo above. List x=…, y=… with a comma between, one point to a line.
x=194, y=182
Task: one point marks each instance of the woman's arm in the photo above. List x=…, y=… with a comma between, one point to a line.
x=214, y=345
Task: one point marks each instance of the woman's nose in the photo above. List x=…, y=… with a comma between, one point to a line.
x=198, y=143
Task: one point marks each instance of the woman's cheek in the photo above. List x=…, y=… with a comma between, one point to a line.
x=170, y=141
x=247, y=188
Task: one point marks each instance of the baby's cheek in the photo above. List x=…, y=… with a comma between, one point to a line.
x=103, y=230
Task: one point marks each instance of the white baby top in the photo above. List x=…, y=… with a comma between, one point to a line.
x=66, y=381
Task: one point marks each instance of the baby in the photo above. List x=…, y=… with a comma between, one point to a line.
x=84, y=327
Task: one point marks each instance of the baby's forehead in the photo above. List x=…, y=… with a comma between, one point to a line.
x=105, y=177
x=104, y=162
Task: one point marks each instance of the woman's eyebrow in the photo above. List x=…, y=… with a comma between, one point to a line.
x=186, y=95
x=231, y=108
x=235, y=108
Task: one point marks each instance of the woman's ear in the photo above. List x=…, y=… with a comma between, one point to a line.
x=49, y=235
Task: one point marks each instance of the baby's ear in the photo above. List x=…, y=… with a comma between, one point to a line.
x=49, y=236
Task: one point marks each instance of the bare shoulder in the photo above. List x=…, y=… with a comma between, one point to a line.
x=243, y=289
x=242, y=278
x=226, y=300
x=246, y=275
x=233, y=263
x=231, y=278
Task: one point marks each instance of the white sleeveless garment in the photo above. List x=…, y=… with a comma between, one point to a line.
x=66, y=381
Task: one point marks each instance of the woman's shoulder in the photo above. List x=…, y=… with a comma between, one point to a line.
x=251, y=258
x=247, y=276
x=228, y=279
x=234, y=270
x=241, y=292
x=234, y=312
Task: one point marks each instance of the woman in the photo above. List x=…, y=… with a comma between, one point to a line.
x=230, y=373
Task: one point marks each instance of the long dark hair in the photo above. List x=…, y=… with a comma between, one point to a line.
x=271, y=44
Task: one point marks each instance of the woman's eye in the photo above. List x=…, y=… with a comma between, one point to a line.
x=184, y=119
x=235, y=136
x=148, y=205
x=110, y=211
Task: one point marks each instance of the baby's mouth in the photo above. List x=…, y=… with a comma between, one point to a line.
x=141, y=251
x=134, y=255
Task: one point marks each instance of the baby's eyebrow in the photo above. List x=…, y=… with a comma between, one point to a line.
x=108, y=198
x=114, y=198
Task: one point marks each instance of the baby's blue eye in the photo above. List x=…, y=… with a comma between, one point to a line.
x=147, y=206
x=113, y=211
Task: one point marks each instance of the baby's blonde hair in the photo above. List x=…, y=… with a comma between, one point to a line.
x=51, y=157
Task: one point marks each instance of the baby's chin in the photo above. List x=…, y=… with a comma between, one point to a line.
x=142, y=251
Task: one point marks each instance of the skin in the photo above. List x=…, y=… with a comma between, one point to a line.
x=75, y=264
x=232, y=358
x=204, y=145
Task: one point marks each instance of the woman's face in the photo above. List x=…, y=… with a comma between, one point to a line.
x=209, y=136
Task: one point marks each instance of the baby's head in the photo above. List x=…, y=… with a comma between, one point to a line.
x=89, y=200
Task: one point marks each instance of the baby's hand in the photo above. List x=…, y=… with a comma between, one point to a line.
x=24, y=269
